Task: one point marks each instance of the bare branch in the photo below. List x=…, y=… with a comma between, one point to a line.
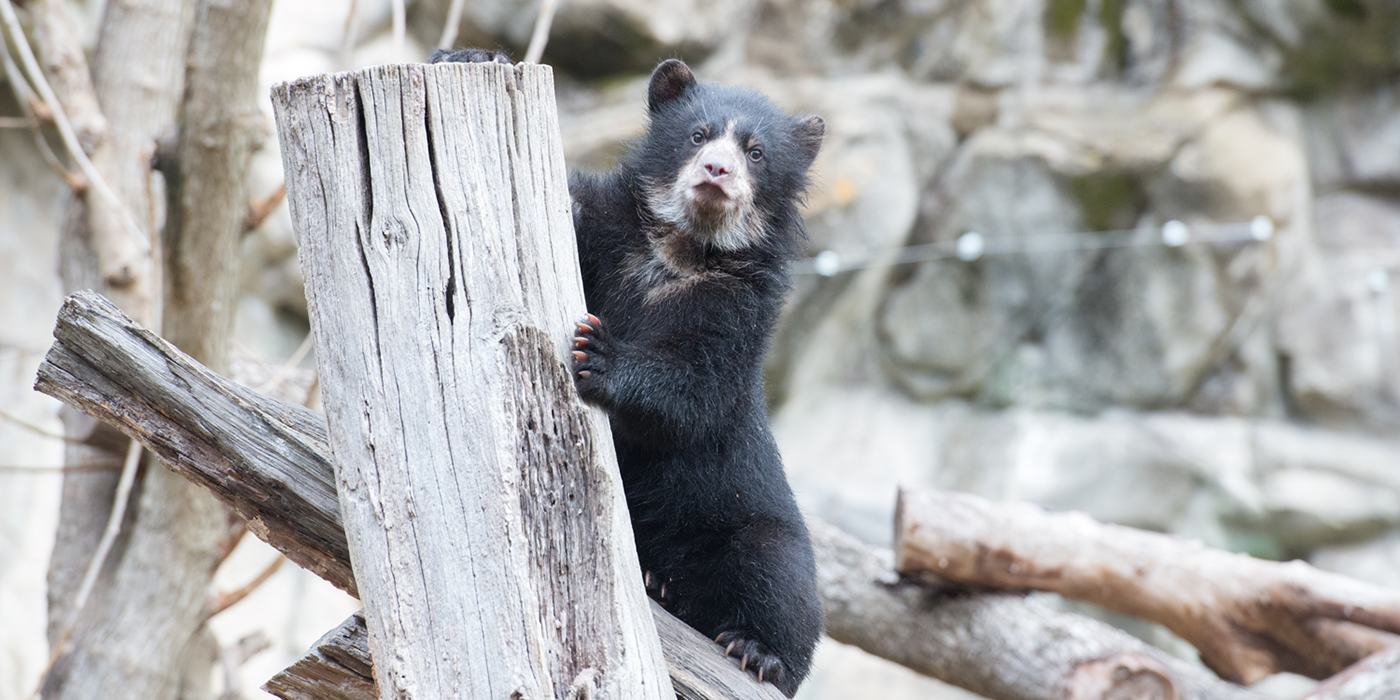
x=99, y=558
x=65, y=64
x=65, y=128
x=449, y=29
x=1001, y=646
x=262, y=207
x=1376, y=676
x=540, y=36
x=225, y=600
x=1249, y=618
x=27, y=99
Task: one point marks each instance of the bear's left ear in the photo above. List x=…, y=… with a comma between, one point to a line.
x=670, y=80
x=810, y=131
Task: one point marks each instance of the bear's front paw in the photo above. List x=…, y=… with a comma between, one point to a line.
x=755, y=657
x=469, y=56
x=592, y=346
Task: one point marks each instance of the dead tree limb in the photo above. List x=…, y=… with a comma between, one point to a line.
x=1002, y=646
x=56, y=39
x=207, y=177
x=1249, y=618
x=139, y=635
x=269, y=461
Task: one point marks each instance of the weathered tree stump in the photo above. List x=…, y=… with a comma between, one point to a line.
x=486, y=519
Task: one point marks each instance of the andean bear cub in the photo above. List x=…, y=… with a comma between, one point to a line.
x=684, y=249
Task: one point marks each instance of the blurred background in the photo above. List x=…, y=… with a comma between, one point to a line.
x=1129, y=257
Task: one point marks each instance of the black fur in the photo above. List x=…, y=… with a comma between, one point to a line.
x=683, y=305
x=469, y=56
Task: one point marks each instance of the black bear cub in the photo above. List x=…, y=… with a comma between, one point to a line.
x=684, y=250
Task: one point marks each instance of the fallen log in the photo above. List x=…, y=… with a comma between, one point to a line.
x=1000, y=645
x=269, y=461
x=1248, y=618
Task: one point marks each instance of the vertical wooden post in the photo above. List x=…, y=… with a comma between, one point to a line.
x=487, y=525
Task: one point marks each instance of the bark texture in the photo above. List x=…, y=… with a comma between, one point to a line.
x=142, y=636
x=481, y=499
x=134, y=639
x=267, y=460
x=1249, y=618
x=65, y=65
x=1002, y=646
x=208, y=193
x=242, y=446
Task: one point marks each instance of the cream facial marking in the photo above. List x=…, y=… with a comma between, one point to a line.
x=712, y=197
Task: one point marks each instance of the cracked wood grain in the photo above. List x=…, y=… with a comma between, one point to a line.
x=481, y=500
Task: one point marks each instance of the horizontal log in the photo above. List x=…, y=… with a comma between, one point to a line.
x=247, y=449
x=999, y=645
x=1248, y=617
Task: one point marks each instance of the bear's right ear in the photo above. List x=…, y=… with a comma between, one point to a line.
x=670, y=80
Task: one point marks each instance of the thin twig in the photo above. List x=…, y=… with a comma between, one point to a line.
x=36, y=429
x=540, y=37
x=99, y=557
x=449, y=30
x=27, y=99
x=263, y=207
x=65, y=128
x=287, y=366
x=225, y=600
x=97, y=466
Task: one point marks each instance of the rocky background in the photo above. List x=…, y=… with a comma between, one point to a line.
x=1243, y=391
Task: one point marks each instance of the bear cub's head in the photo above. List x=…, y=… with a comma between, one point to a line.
x=722, y=164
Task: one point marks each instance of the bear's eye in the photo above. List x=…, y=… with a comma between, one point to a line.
x=755, y=154
x=697, y=138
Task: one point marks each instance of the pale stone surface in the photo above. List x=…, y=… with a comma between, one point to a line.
x=842, y=672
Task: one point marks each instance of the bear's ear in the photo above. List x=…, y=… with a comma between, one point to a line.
x=670, y=80
x=810, y=131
